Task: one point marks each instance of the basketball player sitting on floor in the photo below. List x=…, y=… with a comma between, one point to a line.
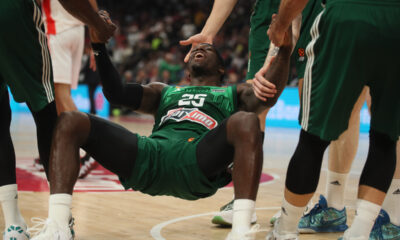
x=199, y=131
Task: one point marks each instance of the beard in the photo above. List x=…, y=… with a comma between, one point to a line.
x=200, y=70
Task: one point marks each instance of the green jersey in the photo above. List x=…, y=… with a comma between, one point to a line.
x=166, y=163
x=199, y=109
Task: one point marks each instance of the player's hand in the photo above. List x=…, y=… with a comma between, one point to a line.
x=263, y=88
x=194, y=41
x=289, y=39
x=103, y=30
x=276, y=32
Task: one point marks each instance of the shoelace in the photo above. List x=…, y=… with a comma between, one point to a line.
x=316, y=209
x=228, y=206
x=39, y=226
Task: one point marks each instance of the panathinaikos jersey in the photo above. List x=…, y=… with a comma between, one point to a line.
x=195, y=108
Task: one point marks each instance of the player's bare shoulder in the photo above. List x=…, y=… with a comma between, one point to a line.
x=151, y=97
x=156, y=86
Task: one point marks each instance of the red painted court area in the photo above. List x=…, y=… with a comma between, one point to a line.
x=99, y=180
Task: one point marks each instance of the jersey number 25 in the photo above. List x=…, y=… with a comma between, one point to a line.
x=197, y=100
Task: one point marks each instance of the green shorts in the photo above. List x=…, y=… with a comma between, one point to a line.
x=310, y=12
x=258, y=38
x=166, y=164
x=259, y=41
x=355, y=43
x=25, y=64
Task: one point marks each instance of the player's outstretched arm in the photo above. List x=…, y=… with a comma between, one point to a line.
x=219, y=13
x=141, y=98
x=263, y=89
x=277, y=73
x=288, y=11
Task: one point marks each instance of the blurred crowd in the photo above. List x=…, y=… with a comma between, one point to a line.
x=146, y=46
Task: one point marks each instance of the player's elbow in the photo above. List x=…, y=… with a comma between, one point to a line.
x=271, y=102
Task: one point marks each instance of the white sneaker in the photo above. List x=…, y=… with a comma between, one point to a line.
x=275, y=217
x=310, y=206
x=274, y=235
x=15, y=232
x=347, y=237
x=250, y=235
x=50, y=230
x=225, y=216
x=87, y=167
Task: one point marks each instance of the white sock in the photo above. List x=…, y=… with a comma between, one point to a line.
x=392, y=202
x=9, y=203
x=242, y=211
x=60, y=208
x=335, y=187
x=364, y=220
x=290, y=218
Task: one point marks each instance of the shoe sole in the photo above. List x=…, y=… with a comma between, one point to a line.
x=340, y=228
x=218, y=220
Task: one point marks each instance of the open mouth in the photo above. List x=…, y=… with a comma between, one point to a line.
x=199, y=55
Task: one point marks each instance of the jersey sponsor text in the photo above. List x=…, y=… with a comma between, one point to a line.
x=190, y=114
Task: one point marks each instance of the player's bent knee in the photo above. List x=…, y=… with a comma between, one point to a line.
x=70, y=124
x=271, y=101
x=245, y=125
x=381, y=162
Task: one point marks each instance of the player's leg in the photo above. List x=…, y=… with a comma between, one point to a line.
x=64, y=100
x=45, y=121
x=113, y=146
x=244, y=145
x=24, y=64
x=258, y=50
x=341, y=154
x=8, y=184
x=379, y=168
x=387, y=225
x=328, y=97
x=259, y=42
x=33, y=83
x=380, y=165
x=66, y=49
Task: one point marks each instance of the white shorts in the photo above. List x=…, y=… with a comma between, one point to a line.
x=66, y=50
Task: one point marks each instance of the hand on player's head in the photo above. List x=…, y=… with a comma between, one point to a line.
x=194, y=41
x=104, y=31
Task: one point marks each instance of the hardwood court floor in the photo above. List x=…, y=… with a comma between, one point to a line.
x=132, y=215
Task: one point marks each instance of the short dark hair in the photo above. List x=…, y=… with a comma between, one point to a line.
x=220, y=59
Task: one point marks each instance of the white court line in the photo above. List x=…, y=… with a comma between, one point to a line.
x=156, y=230
x=275, y=177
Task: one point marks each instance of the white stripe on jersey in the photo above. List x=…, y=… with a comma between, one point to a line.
x=306, y=93
x=46, y=65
